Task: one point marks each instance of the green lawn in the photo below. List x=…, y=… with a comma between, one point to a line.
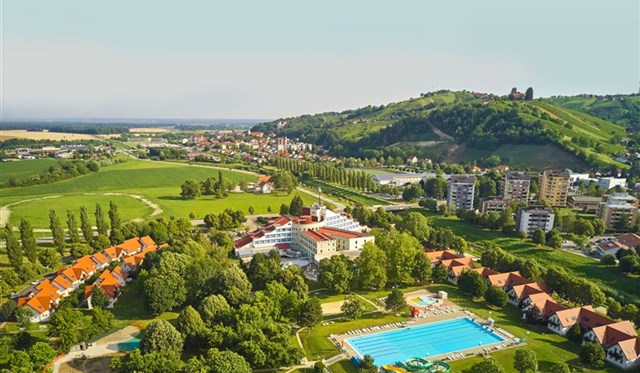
x=157, y=182
x=130, y=307
x=24, y=168
x=608, y=279
x=37, y=210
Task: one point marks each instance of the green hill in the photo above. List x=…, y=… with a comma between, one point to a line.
x=459, y=125
x=620, y=109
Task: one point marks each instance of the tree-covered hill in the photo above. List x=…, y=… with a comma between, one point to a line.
x=445, y=125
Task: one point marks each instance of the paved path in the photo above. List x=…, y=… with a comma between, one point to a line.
x=106, y=345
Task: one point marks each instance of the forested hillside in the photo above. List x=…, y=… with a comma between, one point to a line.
x=449, y=125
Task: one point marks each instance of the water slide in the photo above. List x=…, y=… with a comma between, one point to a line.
x=418, y=365
x=393, y=369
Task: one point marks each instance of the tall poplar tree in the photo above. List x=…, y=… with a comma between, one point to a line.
x=14, y=251
x=101, y=222
x=56, y=231
x=72, y=224
x=29, y=248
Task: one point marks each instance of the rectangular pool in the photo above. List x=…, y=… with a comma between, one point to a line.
x=438, y=338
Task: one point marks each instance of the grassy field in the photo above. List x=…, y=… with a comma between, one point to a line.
x=607, y=278
x=37, y=210
x=157, y=182
x=530, y=155
x=25, y=168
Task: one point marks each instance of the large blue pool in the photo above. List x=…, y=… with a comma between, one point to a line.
x=438, y=338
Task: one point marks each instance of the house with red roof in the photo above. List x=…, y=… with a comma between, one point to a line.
x=46, y=295
x=518, y=293
x=625, y=353
x=436, y=257
x=610, y=334
x=543, y=302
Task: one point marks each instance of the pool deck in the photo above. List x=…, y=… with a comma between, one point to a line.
x=447, y=311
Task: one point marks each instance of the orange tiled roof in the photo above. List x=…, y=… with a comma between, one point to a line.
x=341, y=233
x=523, y=291
x=484, y=271
x=438, y=256
x=39, y=304
x=100, y=258
x=507, y=279
x=147, y=241
x=611, y=334
x=86, y=263
x=131, y=245
x=112, y=252
x=120, y=272
x=630, y=348
x=465, y=261
x=62, y=281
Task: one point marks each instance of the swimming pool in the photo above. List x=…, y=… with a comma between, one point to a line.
x=425, y=300
x=438, y=338
x=129, y=345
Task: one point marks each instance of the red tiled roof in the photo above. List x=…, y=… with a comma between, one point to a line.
x=341, y=233
x=86, y=263
x=62, y=281
x=39, y=304
x=523, y=291
x=316, y=236
x=113, y=252
x=120, y=272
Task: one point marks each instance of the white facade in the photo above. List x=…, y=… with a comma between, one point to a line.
x=461, y=191
x=531, y=218
x=611, y=182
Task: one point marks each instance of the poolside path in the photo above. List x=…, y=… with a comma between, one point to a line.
x=106, y=345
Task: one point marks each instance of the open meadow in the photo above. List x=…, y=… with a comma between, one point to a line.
x=46, y=135
x=139, y=188
x=24, y=169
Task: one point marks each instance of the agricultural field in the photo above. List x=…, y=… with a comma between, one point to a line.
x=154, y=185
x=45, y=135
x=24, y=169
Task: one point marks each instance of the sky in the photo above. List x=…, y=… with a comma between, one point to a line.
x=272, y=59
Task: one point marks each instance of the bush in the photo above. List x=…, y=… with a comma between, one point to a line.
x=608, y=260
x=592, y=354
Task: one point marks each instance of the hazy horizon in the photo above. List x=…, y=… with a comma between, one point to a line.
x=199, y=60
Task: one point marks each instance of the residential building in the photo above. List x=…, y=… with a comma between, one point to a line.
x=611, y=246
x=515, y=186
x=518, y=293
x=621, y=197
x=617, y=215
x=494, y=204
x=44, y=298
x=554, y=187
x=436, y=257
x=506, y=280
x=533, y=217
x=611, y=182
x=264, y=185
x=461, y=191
x=543, y=302
x=586, y=204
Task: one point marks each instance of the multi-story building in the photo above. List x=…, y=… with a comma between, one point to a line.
x=621, y=197
x=516, y=186
x=533, y=217
x=554, y=187
x=617, y=215
x=461, y=191
x=494, y=204
x=611, y=182
x=586, y=204
x=318, y=233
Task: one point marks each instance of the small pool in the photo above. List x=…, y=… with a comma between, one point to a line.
x=425, y=300
x=427, y=340
x=129, y=345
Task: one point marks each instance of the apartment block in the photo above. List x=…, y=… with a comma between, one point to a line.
x=554, y=187
x=533, y=217
x=461, y=191
x=516, y=186
x=613, y=214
